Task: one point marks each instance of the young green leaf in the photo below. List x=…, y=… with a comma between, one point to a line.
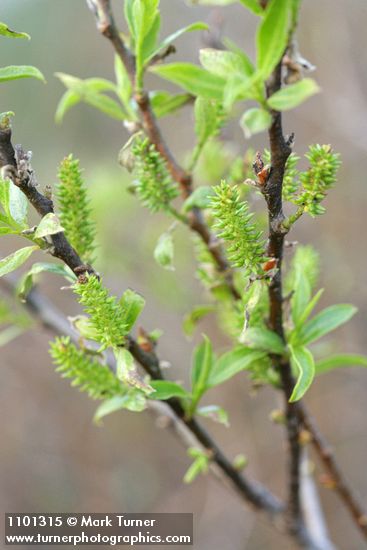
x=324, y=322
x=164, y=389
x=194, y=317
x=233, y=362
x=14, y=72
x=272, y=36
x=193, y=79
x=254, y=121
x=164, y=103
x=224, y=63
x=89, y=91
x=67, y=101
x=199, y=26
x=133, y=401
x=123, y=82
x=303, y=361
x=126, y=371
x=218, y=414
x=310, y=307
x=199, y=466
x=254, y=6
x=293, y=95
x=132, y=304
x=340, y=361
x=16, y=259
x=18, y=206
x=263, y=339
x=301, y=296
x=164, y=251
x=202, y=364
x=26, y=283
x=49, y=225
x=5, y=31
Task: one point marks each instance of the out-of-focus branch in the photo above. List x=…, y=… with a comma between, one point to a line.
x=104, y=18
x=311, y=506
x=340, y=484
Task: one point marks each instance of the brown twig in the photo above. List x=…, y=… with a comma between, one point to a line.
x=16, y=164
x=272, y=189
x=340, y=484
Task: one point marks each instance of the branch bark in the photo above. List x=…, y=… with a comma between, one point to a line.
x=280, y=150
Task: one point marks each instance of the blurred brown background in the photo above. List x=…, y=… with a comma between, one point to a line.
x=52, y=456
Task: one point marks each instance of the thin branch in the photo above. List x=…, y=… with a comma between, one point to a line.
x=311, y=506
x=272, y=189
x=104, y=17
x=341, y=486
x=15, y=165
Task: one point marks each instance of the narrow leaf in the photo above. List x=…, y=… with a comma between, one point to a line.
x=302, y=360
x=165, y=390
x=193, y=79
x=132, y=305
x=5, y=31
x=223, y=63
x=126, y=371
x=324, y=322
x=163, y=103
x=340, y=361
x=194, y=317
x=133, y=402
x=254, y=6
x=264, y=339
x=218, y=414
x=199, y=26
x=67, y=101
x=201, y=367
x=14, y=72
x=16, y=259
x=233, y=362
x=293, y=95
x=49, y=225
x=272, y=36
x=27, y=282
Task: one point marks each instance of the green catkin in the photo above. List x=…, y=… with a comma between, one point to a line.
x=153, y=183
x=92, y=377
x=75, y=212
x=319, y=178
x=106, y=315
x=233, y=220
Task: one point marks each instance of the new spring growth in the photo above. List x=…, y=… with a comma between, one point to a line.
x=234, y=221
x=153, y=183
x=75, y=212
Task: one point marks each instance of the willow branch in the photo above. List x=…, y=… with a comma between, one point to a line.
x=252, y=492
x=280, y=149
x=106, y=25
x=15, y=165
